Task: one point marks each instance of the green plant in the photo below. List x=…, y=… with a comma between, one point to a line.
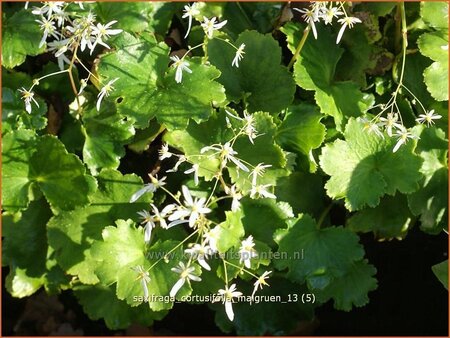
x=256, y=144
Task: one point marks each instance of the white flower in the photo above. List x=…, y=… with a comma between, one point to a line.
x=103, y=31
x=403, y=135
x=227, y=153
x=181, y=159
x=194, y=170
x=83, y=84
x=347, y=21
x=235, y=204
x=144, y=277
x=330, y=13
x=180, y=65
x=49, y=7
x=261, y=190
x=190, y=12
x=193, y=208
x=249, y=124
x=28, y=96
x=186, y=274
x=211, y=237
x=209, y=26
x=239, y=55
x=49, y=29
x=59, y=47
x=164, y=152
x=371, y=127
x=390, y=122
x=108, y=88
x=310, y=16
x=249, y=128
x=258, y=171
x=260, y=282
x=247, y=252
x=151, y=220
x=229, y=294
x=149, y=187
x=60, y=18
x=428, y=118
x=200, y=252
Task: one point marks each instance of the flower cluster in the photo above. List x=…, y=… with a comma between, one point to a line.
x=326, y=11
x=210, y=26
x=393, y=125
x=194, y=212
x=65, y=33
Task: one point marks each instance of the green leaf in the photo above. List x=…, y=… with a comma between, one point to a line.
x=131, y=16
x=264, y=317
x=106, y=133
x=316, y=256
x=311, y=199
x=435, y=13
x=144, y=90
x=20, y=285
x=361, y=56
x=162, y=278
x=301, y=129
x=377, y=8
x=60, y=176
x=21, y=36
x=17, y=148
x=262, y=217
x=390, y=219
x=26, y=252
x=144, y=137
x=433, y=45
x=72, y=233
x=441, y=272
x=315, y=70
x=230, y=232
x=261, y=81
x=100, y=302
x=431, y=200
x=215, y=131
x=25, y=240
x=352, y=288
x=122, y=250
x=370, y=169
x=15, y=117
x=262, y=150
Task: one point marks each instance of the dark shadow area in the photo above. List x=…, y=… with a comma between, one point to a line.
x=409, y=299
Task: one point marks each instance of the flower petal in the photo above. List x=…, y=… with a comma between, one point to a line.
x=177, y=287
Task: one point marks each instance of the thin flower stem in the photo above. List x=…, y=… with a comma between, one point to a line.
x=191, y=49
x=226, y=41
x=401, y=7
x=323, y=215
x=241, y=268
x=244, y=14
x=85, y=68
x=415, y=98
x=212, y=193
x=36, y=82
x=299, y=47
x=172, y=250
x=219, y=199
x=171, y=195
x=72, y=80
x=225, y=271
